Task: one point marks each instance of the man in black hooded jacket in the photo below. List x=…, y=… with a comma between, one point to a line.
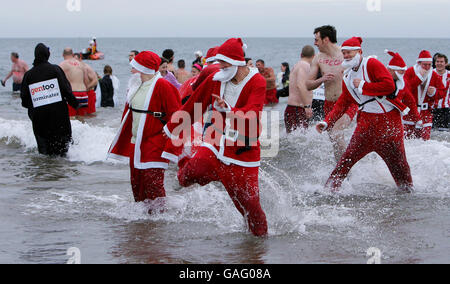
x=46, y=93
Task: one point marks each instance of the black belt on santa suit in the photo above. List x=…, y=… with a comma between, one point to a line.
x=158, y=115
x=235, y=137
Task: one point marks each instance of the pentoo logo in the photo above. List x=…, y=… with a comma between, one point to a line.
x=42, y=88
x=73, y=5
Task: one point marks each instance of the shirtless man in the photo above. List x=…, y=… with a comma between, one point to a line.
x=328, y=62
x=19, y=68
x=76, y=74
x=298, y=110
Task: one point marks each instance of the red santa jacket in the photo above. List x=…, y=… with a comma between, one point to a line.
x=370, y=96
x=415, y=80
x=150, y=141
x=234, y=134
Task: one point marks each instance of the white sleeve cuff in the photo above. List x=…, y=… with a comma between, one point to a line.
x=219, y=109
x=166, y=130
x=360, y=87
x=170, y=157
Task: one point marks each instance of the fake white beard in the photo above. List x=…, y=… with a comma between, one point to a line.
x=226, y=74
x=401, y=81
x=134, y=83
x=354, y=62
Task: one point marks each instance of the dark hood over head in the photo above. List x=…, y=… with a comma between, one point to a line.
x=41, y=54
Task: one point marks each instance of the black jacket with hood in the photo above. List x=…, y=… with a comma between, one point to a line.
x=51, y=122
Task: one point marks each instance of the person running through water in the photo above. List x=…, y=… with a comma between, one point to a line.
x=46, y=93
x=18, y=69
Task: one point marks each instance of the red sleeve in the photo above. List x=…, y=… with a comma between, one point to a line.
x=382, y=83
x=342, y=106
x=441, y=90
x=408, y=99
x=411, y=79
x=202, y=96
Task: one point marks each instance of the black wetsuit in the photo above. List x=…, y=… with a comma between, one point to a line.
x=107, y=87
x=51, y=123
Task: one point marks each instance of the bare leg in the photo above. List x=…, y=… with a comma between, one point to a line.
x=337, y=136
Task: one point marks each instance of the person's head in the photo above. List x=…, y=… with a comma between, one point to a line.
x=441, y=60
x=352, y=52
x=260, y=64
x=181, y=64
x=107, y=70
x=77, y=56
x=163, y=66
x=325, y=36
x=230, y=56
x=196, y=69
x=198, y=54
x=132, y=55
x=41, y=54
x=397, y=66
x=14, y=57
x=308, y=52
x=249, y=62
x=285, y=67
x=146, y=64
x=425, y=60
x=68, y=53
x=168, y=54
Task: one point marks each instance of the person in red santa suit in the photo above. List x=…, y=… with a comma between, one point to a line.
x=151, y=101
x=427, y=89
x=231, y=150
x=397, y=67
x=441, y=114
x=368, y=84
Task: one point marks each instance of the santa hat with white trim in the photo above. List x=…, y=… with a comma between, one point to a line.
x=232, y=51
x=353, y=43
x=211, y=55
x=397, y=62
x=146, y=62
x=425, y=56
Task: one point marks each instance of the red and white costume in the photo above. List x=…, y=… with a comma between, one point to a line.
x=231, y=150
x=379, y=126
x=418, y=86
x=445, y=102
x=147, y=160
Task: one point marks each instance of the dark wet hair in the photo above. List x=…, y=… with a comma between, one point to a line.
x=15, y=55
x=107, y=70
x=285, y=64
x=308, y=51
x=168, y=54
x=260, y=60
x=135, y=52
x=181, y=63
x=163, y=60
x=327, y=32
x=247, y=59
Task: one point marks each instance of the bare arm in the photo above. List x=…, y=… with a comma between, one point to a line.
x=306, y=97
x=8, y=76
x=312, y=82
x=91, y=79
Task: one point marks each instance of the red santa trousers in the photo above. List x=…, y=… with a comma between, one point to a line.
x=146, y=184
x=380, y=133
x=425, y=133
x=241, y=184
x=271, y=97
x=295, y=118
x=92, y=100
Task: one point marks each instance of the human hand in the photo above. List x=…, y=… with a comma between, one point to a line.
x=356, y=82
x=321, y=126
x=220, y=102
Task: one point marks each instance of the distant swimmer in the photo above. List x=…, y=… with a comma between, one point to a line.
x=76, y=73
x=427, y=88
x=46, y=93
x=271, y=87
x=369, y=86
x=150, y=104
x=181, y=74
x=299, y=108
x=328, y=63
x=18, y=69
x=169, y=54
x=132, y=55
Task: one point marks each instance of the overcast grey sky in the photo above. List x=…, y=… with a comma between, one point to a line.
x=223, y=18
